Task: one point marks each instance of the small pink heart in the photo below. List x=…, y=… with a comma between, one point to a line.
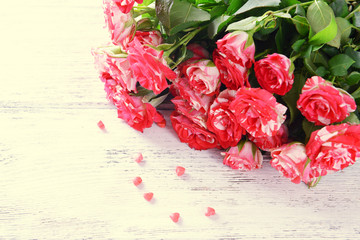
x=137, y=181
x=175, y=217
x=210, y=211
x=139, y=158
x=180, y=170
x=101, y=125
x=148, y=196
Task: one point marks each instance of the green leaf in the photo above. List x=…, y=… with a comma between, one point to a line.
x=356, y=94
x=251, y=4
x=300, y=11
x=339, y=64
x=291, y=97
x=352, y=118
x=217, y=24
x=343, y=32
x=218, y=11
x=282, y=15
x=279, y=39
x=246, y=24
x=356, y=19
x=178, y=15
x=298, y=44
x=308, y=128
x=310, y=66
x=301, y=24
x=355, y=55
x=288, y=3
x=353, y=78
x=146, y=2
x=321, y=71
x=340, y=8
x=234, y=6
x=323, y=27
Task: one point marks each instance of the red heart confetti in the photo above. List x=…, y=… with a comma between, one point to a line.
x=101, y=125
x=180, y=170
x=210, y=211
x=139, y=158
x=148, y=196
x=175, y=217
x=137, y=181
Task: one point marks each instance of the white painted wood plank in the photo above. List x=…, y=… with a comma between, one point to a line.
x=61, y=177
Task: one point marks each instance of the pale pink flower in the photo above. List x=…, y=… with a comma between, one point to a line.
x=120, y=25
x=290, y=160
x=203, y=77
x=246, y=156
x=237, y=48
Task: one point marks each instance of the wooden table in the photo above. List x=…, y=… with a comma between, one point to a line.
x=61, y=177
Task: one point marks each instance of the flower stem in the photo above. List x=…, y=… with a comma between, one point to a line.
x=352, y=12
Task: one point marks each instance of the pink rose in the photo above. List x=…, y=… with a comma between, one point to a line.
x=258, y=112
x=290, y=160
x=194, y=135
x=197, y=100
x=114, y=69
x=126, y=5
x=120, y=25
x=274, y=73
x=268, y=143
x=333, y=148
x=232, y=75
x=203, y=77
x=138, y=114
x=146, y=38
x=183, y=107
x=323, y=104
x=222, y=121
x=246, y=156
x=149, y=67
x=237, y=48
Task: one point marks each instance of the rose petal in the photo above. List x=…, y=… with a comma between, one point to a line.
x=210, y=211
x=180, y=170
x=139, y=158
x=101, y=125
x=148, y=196
x=137, y=181
x=175, y=217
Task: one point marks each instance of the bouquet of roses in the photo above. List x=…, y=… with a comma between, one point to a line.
x=246, y=76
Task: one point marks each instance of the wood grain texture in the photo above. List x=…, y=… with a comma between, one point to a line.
x=61, y=177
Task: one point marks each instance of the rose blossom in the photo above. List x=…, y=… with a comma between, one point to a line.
x=290, y=160
x=268, y=143
x=334, y=147
x=149, y=67
x=120, y=25
x=274, y=74
x=236, y=47
x=194, y=135
x=232, y=75
x=138, y=114
x=199, y=52
x=146, y=38
x=203, y=77
x=245, y=156
x=222, y=121
x=126, y=5
x=258, y=112
x=197, y=100
x=323, y=104
x=183, y=107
